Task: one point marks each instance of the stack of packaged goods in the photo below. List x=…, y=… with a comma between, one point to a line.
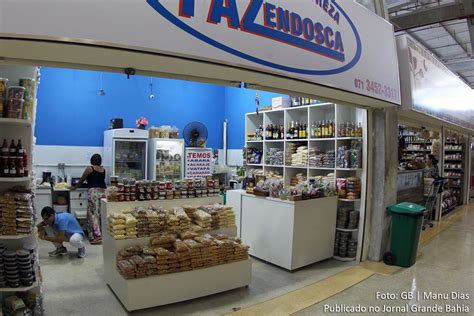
x=143, y=228
x=320, y=159
x=340, y=245
x=314, y=157
x=16, y=210
x=350, y=156
x=274, y=157
x=342, y=217
x=195, y=253
x=226, y=216
x=209, y=209
x=254, y=156
x=208, y=251
x=183, y=255
x=173, y=223
x=353, y=188
x=117, y=226
x=203, y=220
x=130, y=226
x=290, y=150
x=136, y=262
x=162, y=257
x=299, y=178
x=353, y=220
x=167, y=254
x=300, y=158
x=17, y=268
x=24, y=213
x=183, y=218
x=155, y=225
x=189, y=210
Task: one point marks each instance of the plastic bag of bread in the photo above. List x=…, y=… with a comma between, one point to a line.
x=148, y=251
x=180, y=246
x=126, y=266
x=161, y=252
x=137, y=260
x=149, y=259
x=163, y=239
x=192, y=244
x=188, y=235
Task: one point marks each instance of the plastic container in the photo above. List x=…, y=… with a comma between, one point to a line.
x=3, y=87
x=30, y=87
x=407, y=219
x=16, y=92
x=14, y=108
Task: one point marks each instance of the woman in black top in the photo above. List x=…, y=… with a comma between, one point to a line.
x=95, y=177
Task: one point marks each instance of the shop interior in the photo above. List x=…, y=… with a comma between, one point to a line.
x=417, y=171
x=165, y=175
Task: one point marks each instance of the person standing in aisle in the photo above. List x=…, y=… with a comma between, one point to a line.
x=60, y=227
x=95, y=177
x=431, y=170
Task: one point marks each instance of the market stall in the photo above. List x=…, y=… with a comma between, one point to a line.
x=327, y=143
x=427, y=108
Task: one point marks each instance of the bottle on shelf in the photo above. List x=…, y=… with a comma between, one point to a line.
x=25, y=164
x=330, y=129
x=5, y=171
x=288, y=130
x=12, y=159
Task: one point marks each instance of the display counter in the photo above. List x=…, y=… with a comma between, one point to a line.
x=286, y=233
x=410, y=186
x=170, y=288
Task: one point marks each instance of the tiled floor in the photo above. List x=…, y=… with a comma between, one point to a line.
x=76, y=287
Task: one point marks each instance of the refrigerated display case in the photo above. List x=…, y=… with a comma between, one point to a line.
x=165, y=159
x=125, y=153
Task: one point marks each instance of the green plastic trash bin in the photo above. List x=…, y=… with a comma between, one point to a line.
x=407, y=219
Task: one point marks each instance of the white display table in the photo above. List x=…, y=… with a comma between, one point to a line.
x=168, y=288
x=288, y=234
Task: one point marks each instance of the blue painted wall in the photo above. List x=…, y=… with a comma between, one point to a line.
x=238, y=102
x=71, y=113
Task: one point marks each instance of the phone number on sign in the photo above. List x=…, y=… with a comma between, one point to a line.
x=376, y=88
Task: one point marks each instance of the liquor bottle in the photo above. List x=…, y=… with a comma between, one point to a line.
x=4, y=170
x=323, y=129
x=305, y=131
x=19, y=149
x=359, y=130
x=25, y=164
x=288, y=135
x=330, y=130
x=276, y=132
x=318, y=130
x=20, y=170
x=12, y=159
x=282, y=131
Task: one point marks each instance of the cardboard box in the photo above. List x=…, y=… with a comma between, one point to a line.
x=281, y=102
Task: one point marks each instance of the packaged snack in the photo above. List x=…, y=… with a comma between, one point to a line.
x=15, y=92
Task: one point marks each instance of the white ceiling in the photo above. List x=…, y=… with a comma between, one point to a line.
x=449, y=41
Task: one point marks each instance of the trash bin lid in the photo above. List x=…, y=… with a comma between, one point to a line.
x=406, y=208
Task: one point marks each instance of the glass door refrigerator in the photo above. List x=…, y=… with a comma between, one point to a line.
x=125, y=153
x=166, y=159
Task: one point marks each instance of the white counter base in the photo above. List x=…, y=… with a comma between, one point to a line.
x=289, y=234
x=177, y=287
x=168, y=288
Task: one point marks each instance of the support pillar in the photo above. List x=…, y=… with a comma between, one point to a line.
x=383, y=179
